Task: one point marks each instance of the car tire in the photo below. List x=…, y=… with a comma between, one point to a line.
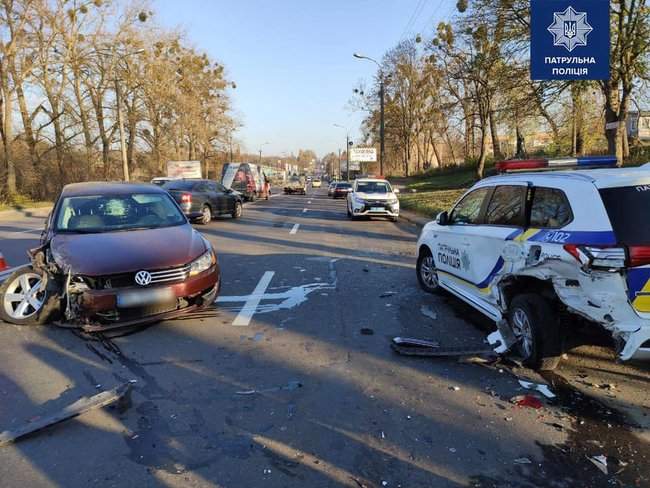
x=237, y=210
x=427, y=273
x=533, y=320
x=39, y=305
x=206, y=215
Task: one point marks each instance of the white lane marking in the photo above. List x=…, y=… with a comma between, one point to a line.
x=304, y=210
x=246, y=314
x=309, y=201
x=290, y=298
x=38, y=229
x=294, y=229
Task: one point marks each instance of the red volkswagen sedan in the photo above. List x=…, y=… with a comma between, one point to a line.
x=113, y=255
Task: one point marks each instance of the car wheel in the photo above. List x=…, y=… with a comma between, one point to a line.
x=24, y=299
x=536, y=326
x=206, y=215
x=427, y=273
x=237, y=211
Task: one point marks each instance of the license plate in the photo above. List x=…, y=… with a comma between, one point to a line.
x=142, y=298
x=377, y=209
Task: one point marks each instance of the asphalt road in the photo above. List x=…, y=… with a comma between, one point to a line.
x=296, y=385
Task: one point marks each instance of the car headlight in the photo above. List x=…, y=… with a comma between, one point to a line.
x=358, y=200
x=392, y=199
x=203, y=263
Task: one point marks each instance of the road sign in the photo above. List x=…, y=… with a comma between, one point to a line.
x=569, y=39
x=184, y=169
x=363, y=155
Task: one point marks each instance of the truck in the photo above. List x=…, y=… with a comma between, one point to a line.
x=295, y=185
x=244, y=178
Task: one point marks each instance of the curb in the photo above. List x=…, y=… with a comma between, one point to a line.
x=414, y=218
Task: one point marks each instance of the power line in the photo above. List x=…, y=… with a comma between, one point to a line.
x=419, y=7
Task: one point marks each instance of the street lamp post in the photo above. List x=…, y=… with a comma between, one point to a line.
x=265, y=144
x=381, y=110
x=347, y=151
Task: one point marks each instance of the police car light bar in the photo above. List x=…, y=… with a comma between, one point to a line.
x=556, y=163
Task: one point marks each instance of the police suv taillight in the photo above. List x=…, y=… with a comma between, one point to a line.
x=597, y=257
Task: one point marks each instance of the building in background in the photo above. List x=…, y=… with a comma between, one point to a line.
x=638, y=125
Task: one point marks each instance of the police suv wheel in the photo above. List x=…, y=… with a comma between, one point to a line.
x=536, y=325
x=427, y=273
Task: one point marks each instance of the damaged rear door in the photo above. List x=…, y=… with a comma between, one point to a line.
x=629, y=212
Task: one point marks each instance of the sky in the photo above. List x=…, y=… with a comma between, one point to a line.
x=292, y=60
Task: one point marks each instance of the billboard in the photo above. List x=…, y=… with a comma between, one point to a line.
x=363, y=155
x=184, y=169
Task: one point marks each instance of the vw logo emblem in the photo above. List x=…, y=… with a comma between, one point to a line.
x=143, y=278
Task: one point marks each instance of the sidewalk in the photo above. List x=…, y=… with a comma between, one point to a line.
x=37, y=212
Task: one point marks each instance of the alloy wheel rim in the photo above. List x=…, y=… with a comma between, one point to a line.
x=206, y=214
x=428, y=272
x=523, y=331
x=24, y=297
x=238, y=209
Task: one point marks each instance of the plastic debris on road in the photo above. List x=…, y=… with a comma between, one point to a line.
x=527, y=401
x=428, y=312
x=600, y=462
x=543, y=389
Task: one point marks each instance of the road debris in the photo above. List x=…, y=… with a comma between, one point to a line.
x=600, y=462
x=81, y=406
x=428, y=312
x=292, y=385
x=367, y=331
x=454, y=388
x=387, y=294
x=543, y=389
x=418, y=347
x=528, y=401
x=523, y=460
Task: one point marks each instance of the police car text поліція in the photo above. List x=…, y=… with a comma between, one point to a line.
x=521, y=248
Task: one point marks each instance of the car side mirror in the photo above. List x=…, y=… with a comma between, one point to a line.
x=442, y=218
x=396, y=190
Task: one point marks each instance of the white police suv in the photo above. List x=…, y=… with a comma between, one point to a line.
x=523, y=248
x=373, y=197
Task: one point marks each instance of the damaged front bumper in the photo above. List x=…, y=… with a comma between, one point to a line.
x=101, y=309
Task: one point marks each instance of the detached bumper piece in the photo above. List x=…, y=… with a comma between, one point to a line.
x=418, y=347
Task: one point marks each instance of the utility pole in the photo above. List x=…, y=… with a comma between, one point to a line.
x=381, y=125
x=339, y=171
x=347, y=155
x=120, y=123
x=260, y=157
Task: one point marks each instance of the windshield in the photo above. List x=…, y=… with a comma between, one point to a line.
x=107, y=213
x=179, y=185
x=373, y=187
x=343, y=185
x=628, y=209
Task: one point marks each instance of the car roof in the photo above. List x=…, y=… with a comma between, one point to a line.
x=371, y=180
x=600, y=178
x=108, y=188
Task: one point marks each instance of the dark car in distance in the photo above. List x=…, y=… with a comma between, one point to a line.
x=341, y=189
x=201, y=200
x=112, y=255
